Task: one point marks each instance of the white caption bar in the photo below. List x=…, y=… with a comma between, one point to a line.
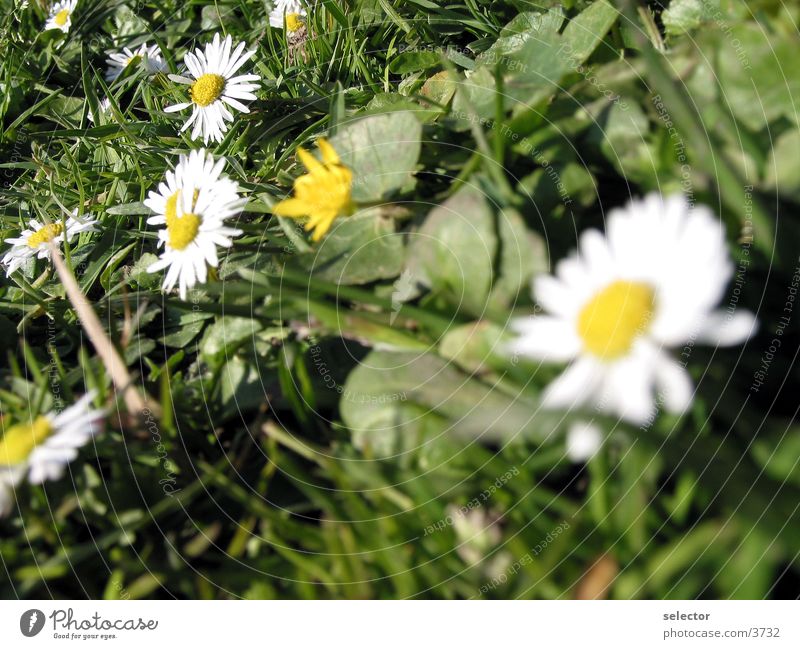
x=390, y=625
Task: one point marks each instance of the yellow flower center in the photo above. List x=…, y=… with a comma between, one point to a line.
x=134, y=60
x=207, y=89
x=182, y=229
x=61, y=17
x=614, y=317
x=47, y=233
x=293, y=22
x=19, y=440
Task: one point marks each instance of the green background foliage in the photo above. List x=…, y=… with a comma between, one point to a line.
x=325, y=407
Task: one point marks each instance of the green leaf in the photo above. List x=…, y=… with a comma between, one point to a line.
x=128, y=209
x=439, y=88
x=684, y=15
x=225, y=335
x=522, y=254
x=756, y=72
x=103, y=252
x=526, y=26
x=382, y=151
x=391, y=400
x=359, y=249
x=128, y=23
x=453, y=252
x=584, y=33
x=475, y=347
x=782, y=171
x=623, y=134
x=475, y=99
x=343, y=323
x=414, y=62
x=536, y=65
x=241, y=386
x=182, y=336
x=138, y=272
x=780, y=456
x=633, y=482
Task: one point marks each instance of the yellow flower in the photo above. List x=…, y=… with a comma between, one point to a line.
x=294, y=22
x=322, y=194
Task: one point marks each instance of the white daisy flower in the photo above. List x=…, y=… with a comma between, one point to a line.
x=61, y=15
x=584, y=439
x=652, y=282
x=103, y=108
x=288, y=12
x=478, y=536
x=149, y=57
x=33, y=242
x=215, y=87
x=43, y=448
x=193, y=202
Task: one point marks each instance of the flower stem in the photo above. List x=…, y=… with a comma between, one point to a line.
x=105, y=348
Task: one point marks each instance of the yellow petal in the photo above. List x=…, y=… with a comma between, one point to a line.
x=291, y=207
x=304, y=184
x=322, y=226
x=311, y=163
x=318, y=217
x=329, y=154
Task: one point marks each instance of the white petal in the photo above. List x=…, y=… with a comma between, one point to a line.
x=722, y=328
x=235, y=104
x=555, y=297
x=177, y=78
x=545, y=338
x=627, y=389
x=595, y=252
x=674, y=385
x=584, y=439
x=574, y=387
x=177, y=107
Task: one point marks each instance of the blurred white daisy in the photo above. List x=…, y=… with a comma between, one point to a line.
x=44, y=447
x=652, y=282
x=148, y=57
x=288, y=12
x=193, y=202
x=60, y=16
x=584, y=439
x=215, y=87
x=478, y=535
x=33, y=241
